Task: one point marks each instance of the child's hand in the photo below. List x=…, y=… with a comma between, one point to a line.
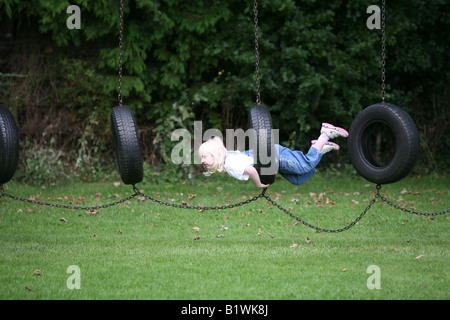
x=260, y=185
x=251, y=171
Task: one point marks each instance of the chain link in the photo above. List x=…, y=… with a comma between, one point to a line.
x=199, y=207
x=396, y=206
x=202, y=208
x=258, y=94
x=64, y=206
x=383, y=51
x=318, y=228
x=120, y=54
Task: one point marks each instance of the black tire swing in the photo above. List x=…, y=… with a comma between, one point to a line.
x=260, y=121
x=9, y=145
x=396, y=123
x=127, y=148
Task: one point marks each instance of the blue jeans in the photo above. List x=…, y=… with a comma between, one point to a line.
x=295, y=166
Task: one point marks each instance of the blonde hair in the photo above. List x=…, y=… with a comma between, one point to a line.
x=214, y=147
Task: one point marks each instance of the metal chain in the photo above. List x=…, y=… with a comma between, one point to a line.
x=202, y=208
x=64, y=206
x=120, y=53
x=383, y=51
x=396, y=206
x=318, y=228
x=199, y=207
x=258, y=94
x=135, y=194
x=377, y=195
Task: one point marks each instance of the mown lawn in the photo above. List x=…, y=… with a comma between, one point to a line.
x=143, y=250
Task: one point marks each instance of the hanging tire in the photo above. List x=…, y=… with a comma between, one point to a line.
x=260, y=120
x=9, y=145
x=404, y=138
x=126, y=145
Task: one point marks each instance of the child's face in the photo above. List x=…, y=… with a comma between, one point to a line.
x=207, y=160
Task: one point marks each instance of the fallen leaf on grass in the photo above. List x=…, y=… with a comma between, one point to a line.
x=63, y=220
x=191, y=196
x=345, y=269
x=37, y=272
x=220, y=236
x=259, y=232
x=119, y=231
x=294, y=245
x=196, y=229
x=28, y=288
x=196, y=237
x=308, y=241
x=419, y=257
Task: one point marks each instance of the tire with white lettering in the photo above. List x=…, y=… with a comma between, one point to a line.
x=260, y=120
x=126, y=145
x=9, y=145
x=387, y=126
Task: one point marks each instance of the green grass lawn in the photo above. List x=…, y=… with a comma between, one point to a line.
x=143, y=250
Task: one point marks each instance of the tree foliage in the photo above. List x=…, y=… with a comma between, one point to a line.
x=186, y=60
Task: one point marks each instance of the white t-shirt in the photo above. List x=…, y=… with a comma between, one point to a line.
x=235, y=164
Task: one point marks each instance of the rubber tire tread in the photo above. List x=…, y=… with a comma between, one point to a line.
x=9, y=145
x=261, y=120
x=407, y=143
x=126, y=145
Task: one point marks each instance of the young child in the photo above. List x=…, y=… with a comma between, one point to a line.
x=294, y=166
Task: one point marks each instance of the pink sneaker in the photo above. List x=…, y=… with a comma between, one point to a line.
x=333, y=131
x=329, y=146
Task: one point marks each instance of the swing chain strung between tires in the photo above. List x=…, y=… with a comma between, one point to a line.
x=377, y=195
x=396, y=206
x=318, y=228
x=258, y=94
x=137, y=192
x=199, y=207
x=120, y=53
x=65, y=206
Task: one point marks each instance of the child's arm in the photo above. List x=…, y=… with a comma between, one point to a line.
x=251, y=171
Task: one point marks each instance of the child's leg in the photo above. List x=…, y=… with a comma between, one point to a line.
x=321, y=141
x=328, y=132
x=296, y=162
x=297, y=167
x=329, y=146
